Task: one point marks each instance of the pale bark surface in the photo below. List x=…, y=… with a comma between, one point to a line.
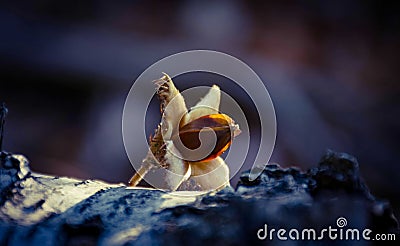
x=38, y=209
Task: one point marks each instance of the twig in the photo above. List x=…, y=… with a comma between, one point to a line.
x=138, y=176
x=3, y=114
x=155, y=151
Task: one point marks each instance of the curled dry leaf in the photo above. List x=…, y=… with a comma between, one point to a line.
x=181, y=135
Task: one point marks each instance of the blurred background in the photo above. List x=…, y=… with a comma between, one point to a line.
x=330, y=66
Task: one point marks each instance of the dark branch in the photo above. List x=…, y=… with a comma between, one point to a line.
x=3, y=114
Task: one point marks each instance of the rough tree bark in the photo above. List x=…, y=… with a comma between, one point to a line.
x=37, y=209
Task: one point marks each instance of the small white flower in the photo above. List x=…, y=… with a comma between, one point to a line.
x=188, y=143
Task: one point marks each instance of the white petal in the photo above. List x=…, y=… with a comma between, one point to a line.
x=171, y=173
x=207, y=105
x=179, y=170
x=207, y=176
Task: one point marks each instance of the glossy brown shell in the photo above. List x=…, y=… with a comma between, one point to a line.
x=219, y=123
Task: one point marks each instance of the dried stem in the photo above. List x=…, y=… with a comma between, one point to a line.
x=156, y=153
x=154, y=157
x=134, y=181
